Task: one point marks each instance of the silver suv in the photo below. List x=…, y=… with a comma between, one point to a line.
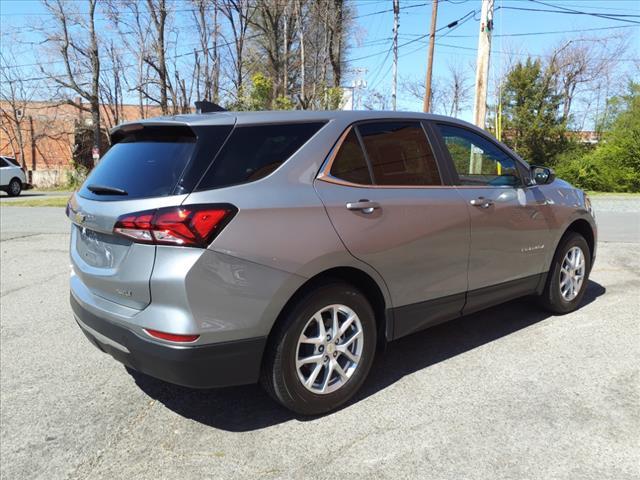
x=285, y=247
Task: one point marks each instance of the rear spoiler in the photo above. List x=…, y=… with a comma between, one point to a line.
x=152, y=129
x=204, y=106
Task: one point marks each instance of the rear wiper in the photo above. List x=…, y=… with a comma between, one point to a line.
x=105, y=190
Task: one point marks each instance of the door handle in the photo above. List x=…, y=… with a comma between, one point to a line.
x=365, y=206
x=481, y=202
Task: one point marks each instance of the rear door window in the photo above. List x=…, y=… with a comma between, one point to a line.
x=350, y=163
x=253, y=152
x=150, y=161
x=399, y=153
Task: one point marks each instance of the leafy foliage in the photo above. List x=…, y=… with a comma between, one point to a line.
x=531, y=113
x=614, y=165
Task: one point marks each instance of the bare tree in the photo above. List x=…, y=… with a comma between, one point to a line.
x=131, y=20
x=73, y=36
x=156, y=59
x=15, y=97
x=111, y=94
x=377, y=101
x=336, y=40
x=238, y=14
x=207, y=75
x=457, y=92
x=581, y=65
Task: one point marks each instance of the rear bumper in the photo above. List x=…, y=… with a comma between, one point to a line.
x=203, y=366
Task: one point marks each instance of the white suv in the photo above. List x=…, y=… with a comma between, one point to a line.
x=12, y=177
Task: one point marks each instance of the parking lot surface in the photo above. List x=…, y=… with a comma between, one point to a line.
x=511, y=392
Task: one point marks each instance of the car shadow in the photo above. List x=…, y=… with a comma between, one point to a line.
x=247, y=408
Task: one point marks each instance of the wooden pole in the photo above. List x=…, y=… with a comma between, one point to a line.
x=482, y=65
x=426, y=104
x=482, y=78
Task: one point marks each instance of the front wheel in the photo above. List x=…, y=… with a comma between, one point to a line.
x=322, y=350
x=568, y=275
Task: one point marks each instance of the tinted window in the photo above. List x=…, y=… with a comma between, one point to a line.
x=11, y=162
x=145, y=163
x=350, y=164
x=254, y=152
x=477, y=160
x=399, y=154
x=3, y=163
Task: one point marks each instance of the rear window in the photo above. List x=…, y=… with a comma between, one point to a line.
x=399, y=154
x=11, y=162
x=253, y=152
x=350, y=163
x=152, y=161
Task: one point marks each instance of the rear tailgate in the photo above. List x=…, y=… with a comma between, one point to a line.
x=110, y=266
x=148, y=167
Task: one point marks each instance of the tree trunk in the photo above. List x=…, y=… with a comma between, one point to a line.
x=335, y=48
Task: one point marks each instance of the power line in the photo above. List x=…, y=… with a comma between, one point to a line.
x=390, y=10
x=610, y=17
x=582, y=12
x=525, y=34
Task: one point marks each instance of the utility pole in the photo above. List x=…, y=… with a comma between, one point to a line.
x=482, y=78
x=482, y=65
x=426, y=104
x=396, y=15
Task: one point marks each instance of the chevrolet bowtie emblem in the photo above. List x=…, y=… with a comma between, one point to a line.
x=80, y=217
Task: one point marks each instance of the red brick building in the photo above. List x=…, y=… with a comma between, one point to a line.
x=53, y=134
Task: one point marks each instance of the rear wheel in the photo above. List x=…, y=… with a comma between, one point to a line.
x=322, y=350
x=568, y=275
x=14, y=188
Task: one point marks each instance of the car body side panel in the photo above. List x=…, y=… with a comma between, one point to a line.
x=418, y=239
x=510, y=238
x=566, y=204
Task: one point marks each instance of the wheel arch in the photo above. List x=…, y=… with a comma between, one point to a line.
x=583, y=227
x=360, y=280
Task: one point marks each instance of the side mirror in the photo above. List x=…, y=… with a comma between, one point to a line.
x=542, y=175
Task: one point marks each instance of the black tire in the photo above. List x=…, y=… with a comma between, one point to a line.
x=279, y=374
x=14, y=188
x=551, y=297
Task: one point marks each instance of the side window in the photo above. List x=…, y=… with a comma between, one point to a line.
x=253, y=152
x=399, y=154
x=478, y=161
x=350, y=163
x=3, y=163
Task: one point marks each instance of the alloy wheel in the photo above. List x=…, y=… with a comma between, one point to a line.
x=572, y=273
x=329, y=349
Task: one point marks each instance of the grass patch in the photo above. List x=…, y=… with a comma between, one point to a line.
x=60, y=201
x=57, y=188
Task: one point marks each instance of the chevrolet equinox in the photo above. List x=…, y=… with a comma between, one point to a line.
x=285, y=247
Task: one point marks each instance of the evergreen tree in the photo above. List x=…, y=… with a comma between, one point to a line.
x=531, y=113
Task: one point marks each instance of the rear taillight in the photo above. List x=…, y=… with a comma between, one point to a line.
x=188, y=226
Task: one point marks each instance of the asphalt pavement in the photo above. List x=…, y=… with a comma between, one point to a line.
x=512, y=392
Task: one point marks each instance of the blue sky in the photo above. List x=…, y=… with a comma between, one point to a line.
x=370, y=42
x=459, y=45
